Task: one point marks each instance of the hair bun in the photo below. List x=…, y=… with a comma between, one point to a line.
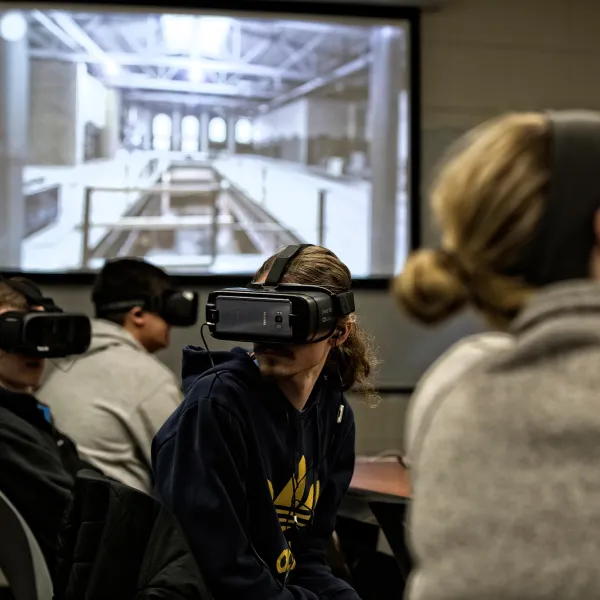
x=428, y=288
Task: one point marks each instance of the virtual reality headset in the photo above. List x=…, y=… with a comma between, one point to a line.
x=179, y=308
x=43, y=331
x=274, y=312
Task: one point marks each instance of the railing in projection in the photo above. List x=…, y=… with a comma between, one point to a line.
x=243, y=219
x=162, y=222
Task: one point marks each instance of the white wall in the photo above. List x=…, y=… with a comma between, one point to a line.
x=305, y=118
x=329, y=117
x=52, y=104
x=111, y=133
x=290, y=120
x=91, y=103
x=91, y=99
x=484, y=57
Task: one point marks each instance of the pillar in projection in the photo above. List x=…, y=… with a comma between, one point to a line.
x=14, y=117
x=112, y=130
x=146, y=128
x=176, y=129
x=204, y=141
x=231, y=121
x=387, y=48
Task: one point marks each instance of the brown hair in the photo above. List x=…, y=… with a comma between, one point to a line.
x=488, y=200
x=354, y=360
x=10, y=298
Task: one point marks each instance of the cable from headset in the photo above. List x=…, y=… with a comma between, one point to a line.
x=334, y=437
x=244, y=527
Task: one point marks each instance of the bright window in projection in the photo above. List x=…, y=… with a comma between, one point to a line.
x=288, y=129
x=162, y=132
x=243, y=131
x=217, y=130
x=190, y=132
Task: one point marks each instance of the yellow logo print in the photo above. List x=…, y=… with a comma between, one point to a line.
x=296, y=507
x=286, y=561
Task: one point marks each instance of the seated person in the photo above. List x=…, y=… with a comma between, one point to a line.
x=37, y=463
x=113, y=399
x=502, y=432
x=256, y=460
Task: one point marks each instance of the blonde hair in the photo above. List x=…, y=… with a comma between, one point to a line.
x=353, y=361
x=488, y=199
x=11, y=298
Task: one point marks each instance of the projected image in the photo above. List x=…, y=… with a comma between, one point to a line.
x=205, y=143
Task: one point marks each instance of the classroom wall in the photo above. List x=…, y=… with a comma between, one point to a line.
x=480, y=58
x=485, y=57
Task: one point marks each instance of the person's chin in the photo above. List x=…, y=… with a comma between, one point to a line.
x=268, y=367
x=30, y=383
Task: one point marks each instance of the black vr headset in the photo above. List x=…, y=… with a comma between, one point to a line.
x=274, y=312
x=179, y=308
x=44, y=330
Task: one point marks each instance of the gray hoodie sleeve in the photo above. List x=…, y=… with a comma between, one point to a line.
x=150, y=415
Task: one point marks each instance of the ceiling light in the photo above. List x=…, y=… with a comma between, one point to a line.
x=178, y=32
x=13, y=26
x=196, y=72
x=111, y=68
x=213, y=33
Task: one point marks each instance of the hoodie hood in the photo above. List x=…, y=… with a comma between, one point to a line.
x=106, y=334
x=197, y=362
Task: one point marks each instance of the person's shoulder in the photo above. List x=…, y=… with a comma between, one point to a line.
x=451, y=368
x=159, y=372
x=211, y=399
x=219, y=387
x=461, y=357
x=19, y=437
x=141, y=370
x=227, y=382
x=11, y=426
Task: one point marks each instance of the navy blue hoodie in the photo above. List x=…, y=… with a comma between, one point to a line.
x=256, y=484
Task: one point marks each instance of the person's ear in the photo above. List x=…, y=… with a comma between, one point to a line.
x=340, y=335
x=135, y=317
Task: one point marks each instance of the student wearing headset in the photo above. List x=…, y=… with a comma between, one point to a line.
x=257, y=459
x=503, y=433
x=38, y=463
x=114, y=398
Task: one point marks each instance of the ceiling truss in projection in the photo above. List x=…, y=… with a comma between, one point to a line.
x=242, y=64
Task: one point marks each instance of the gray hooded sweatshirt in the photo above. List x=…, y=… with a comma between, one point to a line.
x=503, y=438
x=111, y=401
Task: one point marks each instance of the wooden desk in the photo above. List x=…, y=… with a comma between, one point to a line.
x=384, y=477
x=382, y=485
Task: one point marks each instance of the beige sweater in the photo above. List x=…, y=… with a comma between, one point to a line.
x=503, y=437
x=111, y=401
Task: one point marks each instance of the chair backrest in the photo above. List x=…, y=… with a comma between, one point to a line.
x=21, y=559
